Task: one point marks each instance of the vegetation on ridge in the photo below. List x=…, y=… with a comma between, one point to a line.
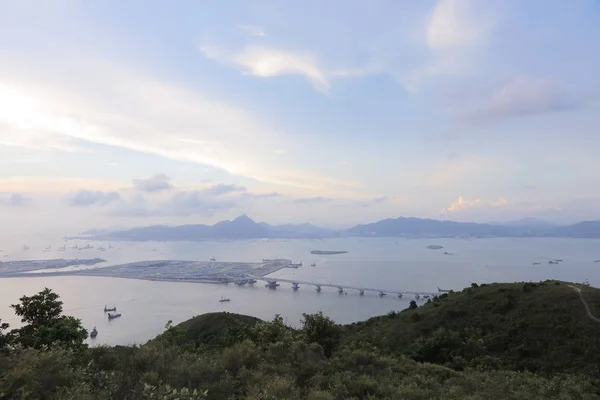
x=510, y=341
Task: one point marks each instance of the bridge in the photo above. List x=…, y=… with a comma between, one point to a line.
x=272, y=283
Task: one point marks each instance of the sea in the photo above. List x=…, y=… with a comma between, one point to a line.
x=398, y=264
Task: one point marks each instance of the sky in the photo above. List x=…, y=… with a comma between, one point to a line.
x=117, y=114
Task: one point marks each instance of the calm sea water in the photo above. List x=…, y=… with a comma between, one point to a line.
x=386, y=263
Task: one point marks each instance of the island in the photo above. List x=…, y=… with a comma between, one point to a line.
x=327, y=252
x=435, y=247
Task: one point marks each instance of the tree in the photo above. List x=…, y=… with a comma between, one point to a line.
x=40, y=309
x=265, y=333
x=4, y=337
x=45, y=325
x=322, y=330
x=413, y=305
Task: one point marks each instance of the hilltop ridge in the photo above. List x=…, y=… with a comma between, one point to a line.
x=243, y=227
x=495, y=341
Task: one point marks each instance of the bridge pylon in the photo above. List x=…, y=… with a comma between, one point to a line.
x=272, y=285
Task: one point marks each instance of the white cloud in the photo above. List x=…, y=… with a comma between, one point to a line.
x=265, y=62
x=454, y=31
x=203, y=202
x=15, y=200
x=155, y=183
x=458, y=23
x=462, y=205
x=253, y=30
x=100, y=102
x=84, y=198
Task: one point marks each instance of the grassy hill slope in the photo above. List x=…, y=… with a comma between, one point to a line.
x=212, y=329
x=535, y=326
x=473, y=345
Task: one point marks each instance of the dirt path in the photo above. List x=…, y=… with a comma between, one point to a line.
x=585, y=304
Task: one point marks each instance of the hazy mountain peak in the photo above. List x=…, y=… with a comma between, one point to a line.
x=243, y=218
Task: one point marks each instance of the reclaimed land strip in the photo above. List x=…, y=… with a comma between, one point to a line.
x=158, y=270
x=25, y=266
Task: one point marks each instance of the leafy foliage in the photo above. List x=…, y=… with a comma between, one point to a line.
x=526, y=326
x=5, y=337
x=45, y=326
x=444, y=354
x=322, y=330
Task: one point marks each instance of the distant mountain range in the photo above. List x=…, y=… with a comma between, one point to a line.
x=244, y=227
x=418, y=227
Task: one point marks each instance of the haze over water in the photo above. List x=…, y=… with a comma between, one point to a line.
x=381, y=263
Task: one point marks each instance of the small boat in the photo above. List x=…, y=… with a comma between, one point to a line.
x=94, y=333
x=536, y=263
x=313, y=264
x=109, y=309
x=113, y=316
x=212, y=259
x=224, y=300
x=552, y=262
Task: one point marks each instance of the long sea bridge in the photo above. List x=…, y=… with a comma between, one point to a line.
x=186, y=271
x=273, y=283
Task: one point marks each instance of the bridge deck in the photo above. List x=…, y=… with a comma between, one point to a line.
x=337, y=286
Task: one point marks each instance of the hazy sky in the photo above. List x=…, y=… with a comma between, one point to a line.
x=121, y=113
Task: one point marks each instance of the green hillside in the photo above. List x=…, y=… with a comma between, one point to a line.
x=534, y=326
x=498, y=341
x=211, y=329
